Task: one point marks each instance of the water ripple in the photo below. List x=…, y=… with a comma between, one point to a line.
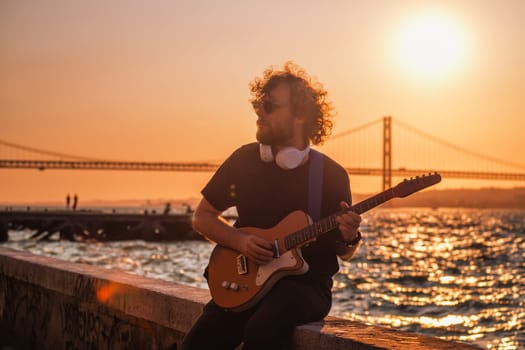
x=458, y=274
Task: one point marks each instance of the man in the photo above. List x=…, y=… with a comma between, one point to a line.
x=266, y=181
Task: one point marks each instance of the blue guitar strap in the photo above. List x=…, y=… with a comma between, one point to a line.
x=315, y=184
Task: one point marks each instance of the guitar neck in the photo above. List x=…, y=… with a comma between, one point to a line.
x=329, y=223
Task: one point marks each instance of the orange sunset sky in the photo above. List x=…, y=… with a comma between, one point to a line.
x=168, y=81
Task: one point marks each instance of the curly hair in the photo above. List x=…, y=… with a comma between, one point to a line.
x=308, y=98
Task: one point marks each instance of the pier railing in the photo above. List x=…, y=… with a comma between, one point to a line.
x=100, y=226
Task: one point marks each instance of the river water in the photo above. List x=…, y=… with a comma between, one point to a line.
x=457, y=274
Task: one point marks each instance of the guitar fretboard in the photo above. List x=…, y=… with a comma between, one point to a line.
x=329, y=223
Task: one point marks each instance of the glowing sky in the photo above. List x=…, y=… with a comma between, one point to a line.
x=168, y=80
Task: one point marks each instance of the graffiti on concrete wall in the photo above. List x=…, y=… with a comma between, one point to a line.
x=48, y=319
x=93, y=329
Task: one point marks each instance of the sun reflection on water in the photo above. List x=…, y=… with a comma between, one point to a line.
x=457, y=274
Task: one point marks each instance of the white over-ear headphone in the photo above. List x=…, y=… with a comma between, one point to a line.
x=287, y=158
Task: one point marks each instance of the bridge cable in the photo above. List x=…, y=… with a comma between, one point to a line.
x=344, y=133
x=49, y=153
x=458, y=148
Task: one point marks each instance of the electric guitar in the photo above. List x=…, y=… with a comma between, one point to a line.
x=237, y=283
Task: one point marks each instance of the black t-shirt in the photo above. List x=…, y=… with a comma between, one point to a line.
x=264, y=194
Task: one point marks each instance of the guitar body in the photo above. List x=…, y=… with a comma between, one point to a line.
x=237, y=283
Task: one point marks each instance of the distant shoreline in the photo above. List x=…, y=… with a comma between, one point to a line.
x=452, y=198
x=461, y=198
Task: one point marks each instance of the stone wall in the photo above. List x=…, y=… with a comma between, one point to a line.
x=47, y=303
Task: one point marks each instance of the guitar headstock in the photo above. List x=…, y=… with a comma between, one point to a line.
x=407, y=187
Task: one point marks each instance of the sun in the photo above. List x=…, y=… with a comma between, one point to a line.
x=431, y=45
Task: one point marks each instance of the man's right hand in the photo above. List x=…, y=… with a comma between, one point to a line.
x=256, y=248
x=207, y=221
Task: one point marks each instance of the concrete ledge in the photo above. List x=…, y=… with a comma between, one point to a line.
x=49, y=303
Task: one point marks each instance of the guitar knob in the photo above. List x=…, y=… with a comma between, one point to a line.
x=225, y=284
x=234, y=286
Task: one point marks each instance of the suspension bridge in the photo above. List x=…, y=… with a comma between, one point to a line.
x=385, y=147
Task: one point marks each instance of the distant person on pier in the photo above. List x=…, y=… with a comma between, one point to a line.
x=167, y=208
x=266, y=181
x=188, y=208
x=68, y=201
x=75, y=202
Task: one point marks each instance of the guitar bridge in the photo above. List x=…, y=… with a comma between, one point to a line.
x=275, y=248
x=242, y=265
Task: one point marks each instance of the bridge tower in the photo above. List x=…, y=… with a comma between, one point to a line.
x=387, y=152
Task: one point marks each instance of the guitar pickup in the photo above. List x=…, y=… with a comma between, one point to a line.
x=242, y=265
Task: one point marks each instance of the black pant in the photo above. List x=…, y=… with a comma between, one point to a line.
x=267, y=325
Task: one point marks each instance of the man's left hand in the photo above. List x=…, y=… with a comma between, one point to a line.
x=348, y=223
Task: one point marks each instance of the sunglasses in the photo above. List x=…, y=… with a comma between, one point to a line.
x=267, y=106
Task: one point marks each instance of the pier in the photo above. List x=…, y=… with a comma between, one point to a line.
x=97, y=225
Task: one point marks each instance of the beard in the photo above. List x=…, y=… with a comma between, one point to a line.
x=278, y=135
